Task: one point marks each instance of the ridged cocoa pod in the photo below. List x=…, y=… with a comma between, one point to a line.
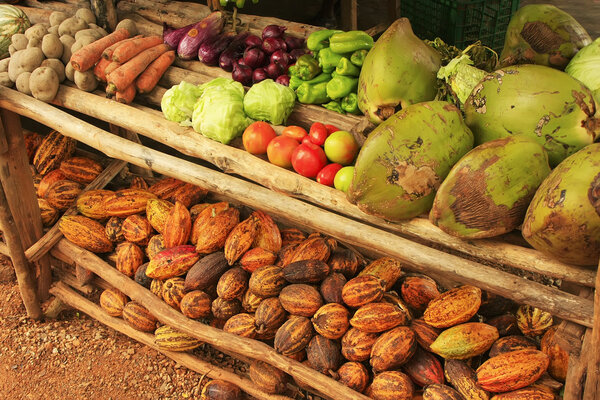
x=195, y=304
x=138, y=317
x=331, y=288
x=512, y=371
x=114, y=229
x=306, y=271
x=157, y=211
x=137, y=229
x=362, y=290
x=172, y=262
x=424, y=368
x=32, y=143
x=300, y=299
x=357, y=345
x=206, y=272
x=225, y=309
x=528, y=393
x=81, y=169
x=85, y=233
x=240, y=239
x=127, y=202
x=241, y=325
x=559, y=358
x=465, y=340
x=62, y=194
x=493, y=305
x=270, y=315
x=331, y=321
x=196, y=209
x=324, y=355
x=268, y=378
x=298, y=356
x=532, y=321
x=156, y=244
x=267, y=281
x=439, y=391
x=204, y=220
x=112, y=301
x=505, y=323
x=453, y=307
x=345, y=262
x=315, y=248
x=53, y=149
x=418, y=291
x=220, y=390
x=49, y=214
x=256, y=258
x=463, y=379
x=393, y=348
x=37, y=178
x=511, y=343
x=391, y=385
x=387, y=269
x=232, y=284
x=187, y=194
x=284, y=255
x=294, y=335
x=91, y=203
x=165, y=187
x=425, y=333
x=178, y=226
x=393, y=298
x=354, y=375
x=378, y=317
x=129, y=258
x=291, y=236
x=141, y=278
x=250, y=301
x=48, y=180
x=156, y=287
x=172, y=292
x=137, y=182
x=268, y=236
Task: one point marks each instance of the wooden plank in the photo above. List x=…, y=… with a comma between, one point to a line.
x=349, y=15
x=592, y=382
x=80, y=303
x=576, y=373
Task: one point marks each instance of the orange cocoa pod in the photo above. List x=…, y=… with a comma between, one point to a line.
x=426, y=334
x=211, y=229
x=85, y=233
x=378, y=317
x=315, y=248
x=391, y=385
x=129, y=258
x=172, y=262
x=196, y=209
x=354, y=375
x=268, y=236
x=270, y=315
x=257, y=257
x=241, y=325
x=512, y=371
x=53, y=149
x=284, y=255
x=62, y=194
x=250, y=301
x=357, y=345
x=178, y=226
x=114, y=229
x=532, y=321
x=439, y=391
x=291, y=236
x=511, y=343
x=138, y=317
x=465, y=340
x=112, y=301
x=81, y=169
x=204, y=216
x=91, y=203
x=294, y=335
x=137, y=229
x=393, y=348
x=267, y=281
x=47, y=180
x=240, y=239
x=195, y=304
x=387, y=269
x=164, y=188
x=232, y=284
x=453, y=307
x=137, y=182
x=187, y=194
x=418, y=291
x=300, y=299
x=559, y=358
x=527, y=393
x=48, y=213
x=172, y=292
x=392, y=297
x=331, y=321
x=156, y=244
x=127, y=202
x=268, y=378
x=362, y=290
x=157, y=211
x=225, y=309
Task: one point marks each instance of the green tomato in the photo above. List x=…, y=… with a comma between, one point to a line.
x=340, y=147
x=343, y=178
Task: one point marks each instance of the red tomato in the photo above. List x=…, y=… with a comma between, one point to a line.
x=327, y=174
x=318, y=133
x=308, y=159
x=331, y=128
x=294, y=132
x=280, y=149
x=306, y=139
x=257, y=136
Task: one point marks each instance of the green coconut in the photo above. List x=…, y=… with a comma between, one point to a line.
x=487, y=192
x=542, y=34
x=404, y=160
x=398, y=71
x=563, y=219
x=541, y=102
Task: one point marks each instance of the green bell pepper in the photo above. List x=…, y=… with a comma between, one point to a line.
x=341, y=86
x=358, y=57
x=350, y=104
x=328, y=60
x=347, y=42
x=312, y=94
x=295, y=81
x=306, y=67
x=345, y=67
x=334, y=106
x=320, y=39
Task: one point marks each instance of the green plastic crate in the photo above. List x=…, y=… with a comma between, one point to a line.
x=460, y=22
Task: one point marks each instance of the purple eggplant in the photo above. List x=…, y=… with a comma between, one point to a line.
x=206, y=29
x=233, y=52
x=210, y=50
x=172, y=36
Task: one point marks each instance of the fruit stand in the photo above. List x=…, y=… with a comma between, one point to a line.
x=504, y=266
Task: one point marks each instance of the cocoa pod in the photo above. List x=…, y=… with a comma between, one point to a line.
x=85, y=232
x=267, y=281
x=439, y=391
x=505, y=323
x=156, y=287
x=241, y=325
x=156, y=244
x=362, y=290
x=225, y=309
x=157, y=211
x=391, y=385
x=48, y=180
x=171, y=339
x=187, y=194
x=112, y=301
x=129, y=258
x=548, y=383
x=62, y=194
x=465, y=340
x=532, y=321
x=284, y=255
x=331, y=288
x=138, y=317
x=300, y=299
x=393, y=348
x=425, y=334
x=463, y=379
x=299, y=356
x=81, y=169
x=172, y=292
x=512, y=371
x=165, y=187
x=294, y=335
x=270, y=315
x=418, y=291
x=268, y=236
x=453, y=307
x=493, y=305
x=250, y=301
x=206, y=272
x=314, y=248
x=331, y=320
x=357, y=345
x=32, y=143
x=137, y=229
x=559, y=358
x=240, y=239
x=354, y=375
x=127, y=202
x=178, y=226
x=393, y=298
x=141, y=278
x=324, y=355
x=378, y=317
x=212, y=226
x=344, y=261
x=91, y=203
x=114, y=229
x=387, y=269
x=137, y=182
x=305, y=271
x=232, y=284
x=195, y=304
x=511, y=343
x=53, y=149
x=48, y=213
x=424, y=368
x=528, y=393
x=220, y=390
x=196, y=209
x=256, y=258
x=291, y=236
x=268, y=378
x=172, y=262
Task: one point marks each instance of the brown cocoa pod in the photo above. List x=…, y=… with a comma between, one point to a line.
x=291, y=236
x=62, y=194
x=331, y=320
x=112, y=301
x=391, y=385
x=48, y=213
x=294, y=335
x=114, y=229
x=156, y=287
x=267, y=281
x=212, y=226
x=393, y=348
x=188, y=194
x=165, y=187
x=241, y=325
x=250, y=301
x=232, y=284
x=284, y=255
x=240, y=239
x=270, y=315
x=354, y=375
x=268, y=378
x=137, y=182
x=559, y=358
x=424, y=368
x=357, y=345
x=324, y=355
x=393, y=298
x=195, y=304
x=129, y=258
x=225, y=309
x=141, y=277
x=344, y=261
x=528, y=393
x=512, y=371
x=138, y=317
x=505, y=323
x=418, y=291
x=196, y=209
x=453, y=307
x=465, y=340
x=439, y=391
x=178, y=226
x=362, y=290
x=548, y=383
x=532, y=321
x=221, y=390
x=378, y=317
x=156, y=244
x=463, y=379
x=268, y=236
x=425, y=333
x=127, y=202
x=48, y=180
x=300, y=299
x=299, y=356
x=331, y=288
x=137, y=229
x=387, y=269
x=305, y=271
x=511, y=343
x=493, y=305
x=206, y=272
x=256, y=258
x=172, y=292
x=314, y=248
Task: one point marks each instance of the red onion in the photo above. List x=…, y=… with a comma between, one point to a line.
x=270, y=45
x=254, y=57
x=233, y=52
x=293, y=42
x=209, y=51
x=274, y=70
x=242, y=74
x=273, y=31
x=242, y=62
x=227, y=59
x=253, y=40
x=172, y=36
x=296, y=53
x=259, y=74
x=283, y=80
x=280, y=57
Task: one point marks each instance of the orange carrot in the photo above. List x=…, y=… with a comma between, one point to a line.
x=149, y=78
x=127, y=95
x=120, y=78
x=108, y=52
x=128, y=50
x=100, y=69
x=85, y=58
x=111, y=67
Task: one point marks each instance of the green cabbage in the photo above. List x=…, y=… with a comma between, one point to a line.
x=585, y=67
x=178, y=102
x=269, y=101
x=219, y=112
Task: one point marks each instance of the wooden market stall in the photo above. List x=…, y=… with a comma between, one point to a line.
x=499, y=266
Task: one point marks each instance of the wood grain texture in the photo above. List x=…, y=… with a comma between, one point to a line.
x=592, y=382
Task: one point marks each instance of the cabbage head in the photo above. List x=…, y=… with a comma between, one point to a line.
x=177, y=104
x=585, y=67
x=269, y=101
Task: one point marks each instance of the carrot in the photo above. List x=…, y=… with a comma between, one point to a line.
x=128, y=50
x=120, y=78
x=127, y=95
x=85, y=58
x=111, y=67
x=149, y=78
x=108, y=52
x=100, y=69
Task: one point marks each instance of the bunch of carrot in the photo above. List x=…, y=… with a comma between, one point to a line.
x=128, y=65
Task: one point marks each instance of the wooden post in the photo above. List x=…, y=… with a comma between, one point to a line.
x=592, y=383
x=17, y=179
x=349, y=15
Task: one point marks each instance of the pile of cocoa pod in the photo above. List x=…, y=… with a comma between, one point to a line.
x=370, y=325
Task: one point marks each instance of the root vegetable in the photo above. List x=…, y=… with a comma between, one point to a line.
x=52, y=47
x=151, y=75
x=36, y=31
x=4, y=65
x=71, y=26
x=86, y=80
x=53, y=29
x=57, y=17
x=86, y=57
x=88, y=32
x=67, y=41
x=69, y=72
x=126, y=96
x=86, y=14
x=20, y=41
x=108, y=52
x=85, y=40
x=22, y=83
x=124, y=76
x=5, y=80
x=57, y=66
x=130, y=49
x=76, y=47
x=100, y=69
x=34, y=42
x=128, y=24
x=43, y=83
x=12, y=50
x=25, y=61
